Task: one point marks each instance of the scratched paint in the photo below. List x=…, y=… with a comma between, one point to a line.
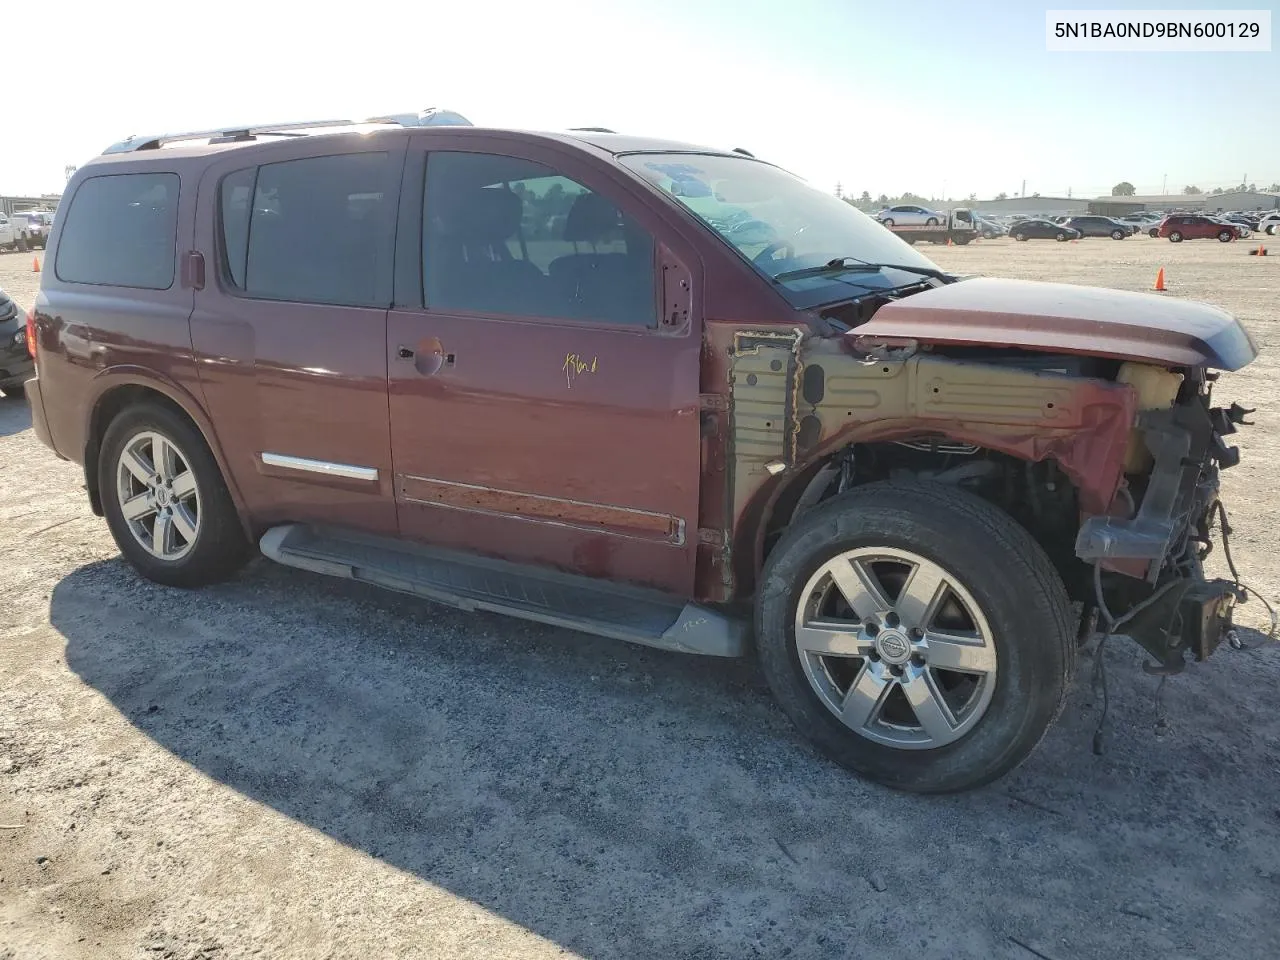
x=575, y=365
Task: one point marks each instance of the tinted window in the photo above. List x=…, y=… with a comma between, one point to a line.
x=121, y=231
x=236, y=193
x=311, y=230
x=503, y=235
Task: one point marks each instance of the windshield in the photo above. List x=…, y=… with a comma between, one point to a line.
x=781, y=225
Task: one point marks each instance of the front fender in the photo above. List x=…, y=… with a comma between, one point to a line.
x=796, y=401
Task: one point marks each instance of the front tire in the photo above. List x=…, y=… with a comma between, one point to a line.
x=916, y=634
x=1175, y=237
x=1061, y=237
x=931, y=222
x=1118, y=234
x=1154, y=233
x=165, y=500
x=1226, y=236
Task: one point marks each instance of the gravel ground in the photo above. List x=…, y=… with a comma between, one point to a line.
x=289, y=766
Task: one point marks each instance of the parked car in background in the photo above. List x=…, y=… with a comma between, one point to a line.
x=709, y=409
x=1141, y=222
x=1270, y=224
x=16, y=364
x=14, y=233
x=1242, y=228
x=1249, y=220
x=1247, y=223
x=1042, y=230
x=990, y=229
x=908, y=215
x=1197, y=227
x=1095, y=226
x=38, y=224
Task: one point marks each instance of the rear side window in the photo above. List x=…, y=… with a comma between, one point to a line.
x=313, y=230
x=121, y=231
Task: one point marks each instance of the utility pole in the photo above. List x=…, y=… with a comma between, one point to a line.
x=1024, y=187
x=1164, y=186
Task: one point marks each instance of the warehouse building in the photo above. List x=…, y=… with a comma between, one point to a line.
x=1031, y=206
x=1194, y=202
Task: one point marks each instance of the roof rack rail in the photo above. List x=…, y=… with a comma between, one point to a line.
x=220, y=135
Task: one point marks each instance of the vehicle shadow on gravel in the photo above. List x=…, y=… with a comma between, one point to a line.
x=15, y=416
x=624, y=802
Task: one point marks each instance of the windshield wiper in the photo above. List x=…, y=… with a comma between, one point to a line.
x=852, y=265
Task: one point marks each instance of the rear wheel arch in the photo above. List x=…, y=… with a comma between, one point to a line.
x=127, y=392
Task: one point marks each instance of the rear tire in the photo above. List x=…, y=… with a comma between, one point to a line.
x=887, y=222
x=195, y=500
x=1020, y=236
x=923, y=727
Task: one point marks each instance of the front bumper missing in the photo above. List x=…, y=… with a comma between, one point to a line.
x=1191, y=615
x=1180, y=440
x=1167, y=537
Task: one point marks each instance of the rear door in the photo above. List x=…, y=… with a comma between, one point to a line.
x=290, y=327
x=544, y=363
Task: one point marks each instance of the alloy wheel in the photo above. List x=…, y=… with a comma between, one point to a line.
x=896, y=647
x=158, y=496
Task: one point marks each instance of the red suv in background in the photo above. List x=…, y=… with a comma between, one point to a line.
x=1197, y=227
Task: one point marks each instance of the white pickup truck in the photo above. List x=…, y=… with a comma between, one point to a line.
x=15, y=234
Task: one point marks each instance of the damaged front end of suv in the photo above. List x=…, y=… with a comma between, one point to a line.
x=1085, y=414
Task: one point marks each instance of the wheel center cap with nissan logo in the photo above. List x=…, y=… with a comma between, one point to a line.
x=893, y=647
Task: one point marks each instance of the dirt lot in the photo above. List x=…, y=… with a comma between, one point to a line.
x=288, y=766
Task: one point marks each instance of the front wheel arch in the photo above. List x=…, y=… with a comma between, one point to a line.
x=1029, y=612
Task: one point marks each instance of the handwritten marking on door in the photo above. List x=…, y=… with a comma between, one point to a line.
x=575, y=365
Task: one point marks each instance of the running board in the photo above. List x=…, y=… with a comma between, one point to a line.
x=468, y=582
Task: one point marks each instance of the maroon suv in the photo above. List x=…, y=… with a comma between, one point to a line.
x=1193, y=226
x=651, y=391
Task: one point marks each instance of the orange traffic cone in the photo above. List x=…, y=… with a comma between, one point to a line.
x=35, y=265
x=1160, y=279
x=948, y=241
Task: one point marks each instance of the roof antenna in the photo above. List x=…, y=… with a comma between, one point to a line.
x=745, y=152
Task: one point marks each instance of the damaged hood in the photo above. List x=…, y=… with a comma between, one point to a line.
x=1062, y=318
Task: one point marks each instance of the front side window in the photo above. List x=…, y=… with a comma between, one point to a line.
x=503, y=235
x=121, y=231
x=312, y=230
x=780, y=224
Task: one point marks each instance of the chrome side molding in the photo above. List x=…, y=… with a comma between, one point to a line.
x=324, y=467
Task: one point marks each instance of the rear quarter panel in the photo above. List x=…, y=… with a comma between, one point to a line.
x=91, y=337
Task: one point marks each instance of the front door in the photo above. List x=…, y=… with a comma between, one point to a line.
x=544, y=365
x=289, y=329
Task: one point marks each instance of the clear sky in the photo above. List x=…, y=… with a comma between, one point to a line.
x=917, y=95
